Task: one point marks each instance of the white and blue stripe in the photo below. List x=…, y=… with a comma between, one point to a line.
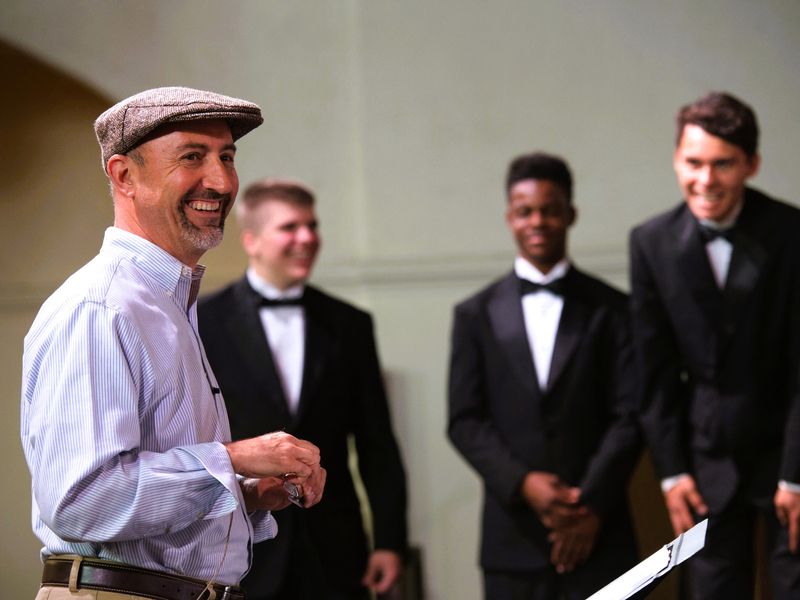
x=120, y=427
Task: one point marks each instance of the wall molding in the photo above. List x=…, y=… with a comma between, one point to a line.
x=609, y=263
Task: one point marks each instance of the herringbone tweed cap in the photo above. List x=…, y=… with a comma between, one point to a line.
x=123, y=126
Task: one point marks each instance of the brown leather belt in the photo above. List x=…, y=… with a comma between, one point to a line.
x=124, y=579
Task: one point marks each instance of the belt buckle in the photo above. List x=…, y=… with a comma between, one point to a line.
x=226, y=593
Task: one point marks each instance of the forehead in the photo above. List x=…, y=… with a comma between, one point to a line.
x=697, y=141
x=278, y=210
x=212, y=132
x=535, y=191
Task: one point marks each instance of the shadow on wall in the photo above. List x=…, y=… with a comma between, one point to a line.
x=55, y=200
x=55, y=206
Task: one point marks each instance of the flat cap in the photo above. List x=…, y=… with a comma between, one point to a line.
x=125, y=125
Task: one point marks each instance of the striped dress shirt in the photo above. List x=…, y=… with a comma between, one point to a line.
x=122, y=422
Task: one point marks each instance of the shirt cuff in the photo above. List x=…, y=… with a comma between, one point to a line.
x=789, y=487
x=265, y=527
x=670, y=482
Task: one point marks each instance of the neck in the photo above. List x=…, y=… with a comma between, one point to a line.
x=279, y=284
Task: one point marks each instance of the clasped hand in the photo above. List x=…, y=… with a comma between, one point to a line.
x=270, y=460
x=573, y=526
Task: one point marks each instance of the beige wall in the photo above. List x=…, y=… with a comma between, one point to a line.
x=402, y=116
x=55, y=205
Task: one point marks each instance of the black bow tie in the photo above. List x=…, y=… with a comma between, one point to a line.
x=709, y=234
x=529, y=287
x=278, y=302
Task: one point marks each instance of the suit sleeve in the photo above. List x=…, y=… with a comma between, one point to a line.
x=379, y=461
x=610, y=468
x=663, y=397
x=470, y=425
x=790, y=463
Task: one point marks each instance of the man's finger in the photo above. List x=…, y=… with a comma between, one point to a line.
x=697, y=503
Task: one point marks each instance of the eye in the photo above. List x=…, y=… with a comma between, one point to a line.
x=227, y=158
x=724, y=165
x=192, y=156
x=522, y=212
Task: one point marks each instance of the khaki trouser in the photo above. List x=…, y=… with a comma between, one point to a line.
x=63, y=593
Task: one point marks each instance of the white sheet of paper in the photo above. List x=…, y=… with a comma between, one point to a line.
x=656, y=565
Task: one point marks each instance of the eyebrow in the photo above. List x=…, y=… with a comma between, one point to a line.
x=199, y=146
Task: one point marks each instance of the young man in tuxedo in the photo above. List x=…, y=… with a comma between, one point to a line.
x=541, y=405
x=290, y=357
x=716, y=315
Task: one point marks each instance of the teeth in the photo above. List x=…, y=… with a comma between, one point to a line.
x=201, y=205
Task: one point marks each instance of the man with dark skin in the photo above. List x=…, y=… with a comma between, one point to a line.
x=541, y=406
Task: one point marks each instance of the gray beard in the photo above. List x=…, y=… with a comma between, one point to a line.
x=201, y=239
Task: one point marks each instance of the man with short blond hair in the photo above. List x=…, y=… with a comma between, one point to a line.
x=290, y=356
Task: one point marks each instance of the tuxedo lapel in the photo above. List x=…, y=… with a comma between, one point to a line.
x=245, y=324
x=318, y=348
x=508, y=324
x=571, y=327
x=694, y=268
x=747, y=262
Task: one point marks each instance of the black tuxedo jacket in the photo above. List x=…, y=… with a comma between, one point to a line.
x=582, y=428
x=720, y=367
x=342, y=394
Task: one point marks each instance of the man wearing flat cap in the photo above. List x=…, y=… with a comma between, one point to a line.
x=137, y=490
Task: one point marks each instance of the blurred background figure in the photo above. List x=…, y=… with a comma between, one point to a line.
x=540, y=404
x=290, y=357
x=715, y=286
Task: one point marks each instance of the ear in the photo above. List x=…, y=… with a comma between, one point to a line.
x=676, y=160
x=509, y=215
x=119, y=173
x=249, y=242
x=754, y=164
x=572, y=216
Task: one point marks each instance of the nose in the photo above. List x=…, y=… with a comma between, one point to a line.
x=536, y=218
x=220, y=176
x=307, y=235
x=707, y=176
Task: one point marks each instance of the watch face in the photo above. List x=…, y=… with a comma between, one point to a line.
x=295, y=493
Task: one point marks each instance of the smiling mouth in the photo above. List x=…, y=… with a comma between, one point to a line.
x=709, y=197
x=205, y=205
x=305, y=259
x=538, y=237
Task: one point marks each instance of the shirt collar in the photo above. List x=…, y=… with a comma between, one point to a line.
x=726, y=223
x=178, y=279
x=525, y=270
x=268, y=290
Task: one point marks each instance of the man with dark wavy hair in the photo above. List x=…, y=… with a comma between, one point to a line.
x=716, y=312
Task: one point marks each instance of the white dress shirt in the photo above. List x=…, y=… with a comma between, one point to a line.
x=719, y=250
x=285, y=328
x=542, y=313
